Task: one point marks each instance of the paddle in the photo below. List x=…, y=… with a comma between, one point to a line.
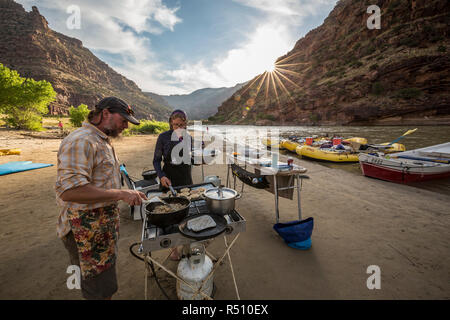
x=405, y=134
x=370, y=147
x=422, y=159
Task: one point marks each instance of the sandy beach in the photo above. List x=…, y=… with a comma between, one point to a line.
x=358, y=222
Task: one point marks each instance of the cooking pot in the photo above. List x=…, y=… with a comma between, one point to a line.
x=221, y=200
x=166, y=219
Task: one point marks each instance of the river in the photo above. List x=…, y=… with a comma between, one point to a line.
x=423, y=137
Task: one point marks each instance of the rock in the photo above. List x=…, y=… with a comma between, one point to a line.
x=344, y=73
x=77, y=76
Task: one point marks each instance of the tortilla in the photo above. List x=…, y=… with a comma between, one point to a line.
x=201, y=223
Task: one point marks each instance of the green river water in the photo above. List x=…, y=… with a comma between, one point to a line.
x=423, y=137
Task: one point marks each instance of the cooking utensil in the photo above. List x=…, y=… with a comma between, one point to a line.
x=166, y=219
x=221, y=200
x=173, y=191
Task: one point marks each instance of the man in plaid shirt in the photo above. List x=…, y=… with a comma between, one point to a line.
x=87, y=192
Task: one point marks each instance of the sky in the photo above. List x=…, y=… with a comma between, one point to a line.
x=179, y=46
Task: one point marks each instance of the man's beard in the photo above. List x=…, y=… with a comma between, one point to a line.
x=113, y=133
x=111, y=130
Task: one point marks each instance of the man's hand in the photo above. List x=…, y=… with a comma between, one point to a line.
x=132, y=197
x=165, y=182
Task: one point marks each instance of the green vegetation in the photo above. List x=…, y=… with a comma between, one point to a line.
x=411, y=41
x=442, y=49
x=78, y=115
x=373, y=67
x=377, y=88
x=356, y=64
x=368, y=50
x=408, y=93
x=23, y=101
x=265, y=116
x=217, y=118
x=147, y=127
x=394, y=4
x=314, y=117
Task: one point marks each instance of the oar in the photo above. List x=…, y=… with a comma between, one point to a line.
x=405, y=134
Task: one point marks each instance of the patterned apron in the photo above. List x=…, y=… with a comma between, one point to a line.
x=96, y=232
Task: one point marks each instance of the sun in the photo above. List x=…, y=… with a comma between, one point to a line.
x=270, y=68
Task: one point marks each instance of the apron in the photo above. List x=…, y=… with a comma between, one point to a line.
x=179, y=174
x=96, y=232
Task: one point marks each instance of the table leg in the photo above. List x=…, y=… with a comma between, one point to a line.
x=146, y=276
x=298, y=198
x=275, y=189
x=232, y=271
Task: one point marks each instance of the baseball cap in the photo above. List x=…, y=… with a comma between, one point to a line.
x=116, y=105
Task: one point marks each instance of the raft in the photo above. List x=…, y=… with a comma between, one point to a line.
x=357, y=140
x=267, y=142
x=396, y=147
x=7, y=152
x=290, y=145
x=326, y=154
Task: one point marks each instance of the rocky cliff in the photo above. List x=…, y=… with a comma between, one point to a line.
x=29, y=46
x=345, y=73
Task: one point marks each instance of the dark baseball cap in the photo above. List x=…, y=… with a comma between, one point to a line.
x=116, y=105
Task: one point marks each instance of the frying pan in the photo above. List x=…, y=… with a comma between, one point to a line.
x=166, y=219
x=221, y=226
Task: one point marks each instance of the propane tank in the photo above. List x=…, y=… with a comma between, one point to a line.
x=194, y=270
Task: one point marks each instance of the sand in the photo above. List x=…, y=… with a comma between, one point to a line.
x=358, y=222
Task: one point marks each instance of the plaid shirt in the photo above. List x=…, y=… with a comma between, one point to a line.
x=86, y=156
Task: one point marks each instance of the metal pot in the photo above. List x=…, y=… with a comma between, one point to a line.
x=221, y=200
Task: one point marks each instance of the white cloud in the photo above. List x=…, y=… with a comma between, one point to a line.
x=299, y=8
x=274, y=37
x=117, y=28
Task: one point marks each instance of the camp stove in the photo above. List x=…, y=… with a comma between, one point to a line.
x=155, y=238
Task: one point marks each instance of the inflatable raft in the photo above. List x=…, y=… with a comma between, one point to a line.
x=290, y=145
x=267, y=142
x=7, y=152
x=327, y=154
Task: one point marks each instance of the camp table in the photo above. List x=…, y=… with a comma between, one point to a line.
x=295, y=173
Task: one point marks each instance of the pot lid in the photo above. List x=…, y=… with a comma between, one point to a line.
x=220, y=193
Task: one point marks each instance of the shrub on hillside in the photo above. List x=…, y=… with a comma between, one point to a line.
x=78, y=115
x=408, y=93
x=147, y=127
x=23, y=100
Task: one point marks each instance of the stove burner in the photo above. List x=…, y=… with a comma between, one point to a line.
x=155, y=238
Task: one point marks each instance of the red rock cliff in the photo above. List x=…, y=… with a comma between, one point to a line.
x=78, y=76
x=344, y=73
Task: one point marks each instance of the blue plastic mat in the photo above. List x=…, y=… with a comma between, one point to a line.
x=18, y=166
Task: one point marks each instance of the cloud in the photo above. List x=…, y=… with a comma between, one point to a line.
x=264, y=46
x=118, y=32
x=272, y=38
x=298, y=8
